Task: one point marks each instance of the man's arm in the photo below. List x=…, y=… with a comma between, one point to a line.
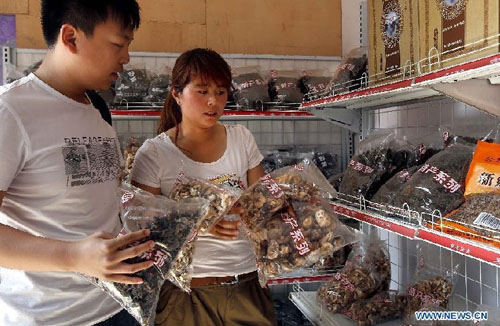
x=99, y=255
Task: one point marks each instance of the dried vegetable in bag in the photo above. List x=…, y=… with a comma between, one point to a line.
x=430, y=286
x=335, y=180
x=288, y=223
x=284, y=86
x=326, y=163
x=390, y=189
x=158, y=88
x=480, y=214
x=250, y=90
x=367, y=271
x=132, y=86
x=380, y=157
x=381, y=307
x=298, y=237
x=315, y=81
x=221, y=199
x=172, y=225
x=438, y=184
x=129, y=156
x=348, y=75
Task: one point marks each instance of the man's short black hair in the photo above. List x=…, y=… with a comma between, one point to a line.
x=85, y=15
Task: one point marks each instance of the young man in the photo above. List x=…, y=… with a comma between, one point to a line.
x=59, y=172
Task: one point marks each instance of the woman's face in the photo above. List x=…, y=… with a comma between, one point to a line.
x=202, y=102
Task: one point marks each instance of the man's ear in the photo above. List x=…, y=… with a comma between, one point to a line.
x=68, y=36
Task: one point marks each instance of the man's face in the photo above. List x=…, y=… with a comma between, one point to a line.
x=101, y=56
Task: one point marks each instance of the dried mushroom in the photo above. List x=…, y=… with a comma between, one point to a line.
x=436, y=291
x=381, y=307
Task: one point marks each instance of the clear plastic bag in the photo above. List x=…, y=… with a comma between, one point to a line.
x=132, y=86
x=383, y=306
x=221, y=199
x=280, y=212
x=390, y=189
x=129, y=156
x=315, y=81
x=172, y=225
x=250, y=90
x=431, y=285
x=439, y=183
x=158, y=88
x=348, y=75
x=284, y=86
x=380, y=157
x=298, y=237
x=367, y=271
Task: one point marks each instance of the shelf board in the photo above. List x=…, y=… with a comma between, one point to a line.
x=227, y=113
x=398, y=227
x=462, y=246
x=417, y=88
x=470, y=248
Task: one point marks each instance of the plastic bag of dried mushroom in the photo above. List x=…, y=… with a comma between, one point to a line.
x=297, y=237
x=303, y=182
x=390, y=189
x=430, y=286
x=380, y=157
x=289, y=223
x=250, y=90
x=367, y=271
x=383, y=306
x=480, y=214
x=439, y=183
x=284, y=86
x=172, y=225
x=220, y=198
x=132, y=86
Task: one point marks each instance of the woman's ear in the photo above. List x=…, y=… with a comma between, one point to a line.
x=177, y=96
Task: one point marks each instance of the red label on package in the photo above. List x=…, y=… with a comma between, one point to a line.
x=296, y=233
x=441, y=177
x=361, y=167
x=272, y=186
x=425, y=298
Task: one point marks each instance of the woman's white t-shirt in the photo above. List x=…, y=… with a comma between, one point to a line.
x=159, y=162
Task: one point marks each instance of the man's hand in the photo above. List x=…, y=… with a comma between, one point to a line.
x=102, y=255
x=227, y=229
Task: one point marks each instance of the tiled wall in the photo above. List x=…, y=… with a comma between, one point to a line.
x=155, y=61
x=476, y=282
x=269, y=133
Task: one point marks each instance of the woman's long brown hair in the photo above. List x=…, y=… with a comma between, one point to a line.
x=204, y=63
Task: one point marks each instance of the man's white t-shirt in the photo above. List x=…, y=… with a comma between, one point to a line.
x=159, y=162
x=59, y=166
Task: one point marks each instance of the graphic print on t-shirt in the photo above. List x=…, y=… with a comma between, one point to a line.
x=90, y=160
x=231, y=180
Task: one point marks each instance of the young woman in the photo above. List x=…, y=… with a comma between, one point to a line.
x=191, y=141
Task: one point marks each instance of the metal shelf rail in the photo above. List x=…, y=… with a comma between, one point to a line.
x=412, y=225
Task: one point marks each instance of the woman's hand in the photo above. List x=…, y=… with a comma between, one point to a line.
x=103, y=255
x=227, y=229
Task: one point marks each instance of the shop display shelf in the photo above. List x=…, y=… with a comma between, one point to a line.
x=306, y=275
x=148, y=112
x=307, y=303
x=411, y=224
x=416, y=88
x=404, y=223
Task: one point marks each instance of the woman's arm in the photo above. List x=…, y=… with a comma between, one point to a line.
x=253, y=175
x=153, y=190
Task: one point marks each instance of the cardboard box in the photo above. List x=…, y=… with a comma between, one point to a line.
x=393, y=39
x=458, y=30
